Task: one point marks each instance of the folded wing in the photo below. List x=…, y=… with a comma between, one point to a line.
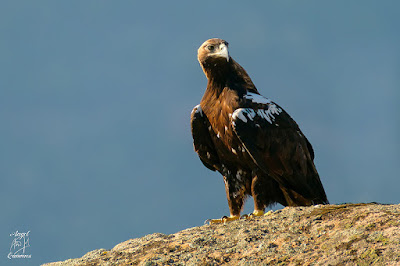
x=279, y=148
x=202, y=141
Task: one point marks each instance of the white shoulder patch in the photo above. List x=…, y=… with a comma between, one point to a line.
x=197, y=109
x=242, y=113
x=239, y=114
x=269, y=113
x=257, y=98
x=248, y=113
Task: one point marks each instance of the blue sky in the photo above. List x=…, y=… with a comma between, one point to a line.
x=95, y=102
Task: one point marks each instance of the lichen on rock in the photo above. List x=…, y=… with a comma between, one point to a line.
x=351, y=234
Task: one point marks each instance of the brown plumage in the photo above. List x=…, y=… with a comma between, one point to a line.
x=256, y=146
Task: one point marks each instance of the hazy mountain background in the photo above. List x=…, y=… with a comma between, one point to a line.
x=95, y=102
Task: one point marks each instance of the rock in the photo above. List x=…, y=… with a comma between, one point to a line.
x=351, y=234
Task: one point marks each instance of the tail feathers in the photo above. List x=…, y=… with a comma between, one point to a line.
x=295, y=199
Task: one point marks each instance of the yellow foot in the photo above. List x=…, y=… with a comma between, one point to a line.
x=222, y=220
x=256, y=213
x=261, y=213
x=268, y=213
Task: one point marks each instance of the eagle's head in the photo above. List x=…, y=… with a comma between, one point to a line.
x=213, y=52
x=219, y=68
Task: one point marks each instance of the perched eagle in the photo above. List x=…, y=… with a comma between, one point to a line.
x=256, y=146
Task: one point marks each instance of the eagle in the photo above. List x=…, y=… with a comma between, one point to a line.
x=250, y=140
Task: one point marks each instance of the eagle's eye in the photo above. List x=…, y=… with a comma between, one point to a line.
x=211, y=48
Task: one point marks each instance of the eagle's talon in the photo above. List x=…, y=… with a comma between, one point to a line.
x=224, y=219
x=213, y=221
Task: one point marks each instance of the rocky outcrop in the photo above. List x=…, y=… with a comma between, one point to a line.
x=351, y=234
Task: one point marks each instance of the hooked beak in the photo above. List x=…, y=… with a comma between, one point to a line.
x=223, y=51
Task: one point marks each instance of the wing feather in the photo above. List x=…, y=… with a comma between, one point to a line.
x=202, y=141
x=279, y=148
